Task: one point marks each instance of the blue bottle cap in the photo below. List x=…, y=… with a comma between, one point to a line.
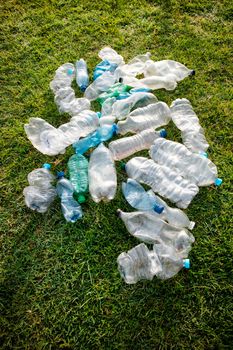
x=98, y=114
x=70, y=71
x=163, y=133
x=60, y=174
x=186, y=263
x=158, y=208
x=115, y=129
x=83, y=88
x=218, y=182
x=47, y=166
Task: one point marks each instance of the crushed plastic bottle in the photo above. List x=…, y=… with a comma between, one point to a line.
x=52, y=141
x=187, y=121
x=167, y=82
x=138, y=263
x=194, y=167
x=168, y=183
x=71, y=209
x=64, y=76
x=153, y=116
x=126, y=146
x=101, y=84
x=138, y=198
x=103, y=133
x=107, y=53
x=166, y=67
x=78, y=175
x=118, y=90
x=170, y=260
x=82, y=78
x=67, y=102
x=150, y=228
x=173, y=216
x=133, y=68
x=103, y=66
x=40, y=194
x=123, y=107
x=102, y=175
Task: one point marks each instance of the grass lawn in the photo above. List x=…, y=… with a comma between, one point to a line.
x=60, y=287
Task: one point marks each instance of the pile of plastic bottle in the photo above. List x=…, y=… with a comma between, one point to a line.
x=173, y=170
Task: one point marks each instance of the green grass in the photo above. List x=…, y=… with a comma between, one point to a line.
x=60, y=286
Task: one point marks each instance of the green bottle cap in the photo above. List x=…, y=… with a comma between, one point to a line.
x=81, y=198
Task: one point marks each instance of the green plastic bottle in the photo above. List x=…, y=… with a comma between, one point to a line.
x=78, y=174
x=113, y=91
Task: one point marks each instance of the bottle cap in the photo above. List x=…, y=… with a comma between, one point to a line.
x=192, y=72
x=83, y=88
x=163, y=133
x=115, y=129
x=118, y=212
x=47, y=166
x=122, y=166
x=218, y=182
x=186, y=263
x=81, y=198
x=60, y=174
x=158, y=208
x=98, y=114
x=70, y=71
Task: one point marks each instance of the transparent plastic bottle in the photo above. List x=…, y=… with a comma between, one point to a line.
x=138, y=198
x=102, y=175
x=52, y=141
x=41, y=193
x=71, y=209
x=166, y=67
x=64, y=76
x=126, y=146
x=123, y=107
x=170, y=260
x=138, y=263
x=187, y=121
x=173, y=216
x=167, y=82
x=107, y=53
x=78, y=175
x=67, y=102
x=150, y=228
x=101, y=84
x=82, y=78
x=103, y=66
x=192, y=166
x=161, y=179
x=103, y=133
x=152, y=116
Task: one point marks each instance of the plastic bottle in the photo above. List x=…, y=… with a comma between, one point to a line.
x=117, y=90
x=150, y=228
x=40, y=194
x=126, y=146
x=134, y=67
x=173, y=216
x=187, y=121
x=67, y=102
x=101, y=84
x=103, y=66
x=82, y=78
x=102, y=175
x=138, y=198
x=168, y=183
x=78, y=175
x=167, y=82
x=52, y=141
x=192, y=166
x=122, y=108
x=170, y=260
x=71, y=209
x=152, y=116
x=107, y=53
x=64, y=76
x=138, y=263
x=166, y=67
x=103, y=133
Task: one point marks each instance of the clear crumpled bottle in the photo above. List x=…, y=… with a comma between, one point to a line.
x=101, y=84
x=138, y=198
x=107, y=53
x=167, y=82
x=64, y=76
x=153, y=116
x=150, y=228
x=138, y=263
x=82, y=78
x=71, y=209
x=187, y=121
x=165, y=67
x=190, y=165
x=67, y=102
x=126, y=146
x=41, y=193
x=102, y=175
x=78, y=175
x=168, y=183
